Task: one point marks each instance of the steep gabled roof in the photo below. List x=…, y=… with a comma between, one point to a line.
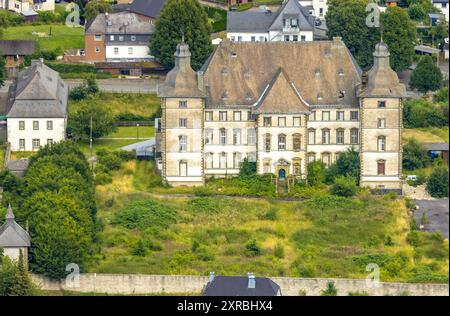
x=12, y=234
x=124, y=22
x=38, y=92
x=293, y=8
x=281, y=96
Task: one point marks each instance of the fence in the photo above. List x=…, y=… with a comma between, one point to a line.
x=158, y=284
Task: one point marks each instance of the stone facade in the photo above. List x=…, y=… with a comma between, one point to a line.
x=284, y=121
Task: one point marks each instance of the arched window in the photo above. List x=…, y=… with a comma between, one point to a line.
x=311, y=157
x=311, y=136
x=381, y=143
x=223, y=160
x=281, y=142
x=223, y=136
x=209, y=136
x=182, y=143
x=209, y=160
x=354, y=136
x=297, y=142
x=183, y=168
x=325, y=136
x=237, y=159
x=267, y=146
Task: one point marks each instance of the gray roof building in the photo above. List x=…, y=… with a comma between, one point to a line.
x=124, y=22
x=258, y=21
x=17, y=47
x=38, y=92
x=12, y=234
x=149, y=8
x=241, y=286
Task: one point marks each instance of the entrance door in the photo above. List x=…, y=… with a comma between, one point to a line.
x=381, y=168
x=282, y=173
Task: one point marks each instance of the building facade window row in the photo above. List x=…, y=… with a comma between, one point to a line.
x=49, y=125
x=326, y=136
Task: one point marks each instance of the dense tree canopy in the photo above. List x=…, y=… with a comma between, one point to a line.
x=437, y=184
x=347, y=19
x=14, y=278
x=424, y=113
x=427, y=76
x=415, y=155
x=95, y=7
x=400, y=36
x=178, y=18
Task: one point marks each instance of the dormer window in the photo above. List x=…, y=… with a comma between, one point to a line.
x=248, y=97
x=319, y=97
x=246, y=73
x=341, y=94
x=133, y=38
x=121, y=38
x=233, y=55
x=224, y=71
x=317, y=71
x=224, y=96
x=340, y=72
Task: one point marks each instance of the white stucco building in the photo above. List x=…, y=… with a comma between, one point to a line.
x=443, y=6
x=291, y=22
x=21, y=6
x=317, y=8
x=37, y=108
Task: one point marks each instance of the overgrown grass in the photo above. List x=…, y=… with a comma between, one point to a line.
x=133, y=131
x=427, y=135
x=142, y=105
x=324, y=236
x=62, y=37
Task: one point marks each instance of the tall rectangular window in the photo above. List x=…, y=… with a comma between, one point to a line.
x=354, y=115
x=22, y=144
x=237, y=115
x=183, y=122
x=282, y=121
x=296, y=142
x=183, y=168
x=130, y=50
x=223, y=161
x=21, y=125
x=297, y=121
x=208, y=116
x=116, y=50
x=267, y=121
x=382, y=123
x=340, y=136
x=36, y=143
x=312, y=116
x=182, y=104
x=267, y=146
x=340, y=115
x=36, y=125
x=182, y=143
x=236, y=136
x=209, y=136
x=381, y=143
x=311, y=137
x=354, y=136
x=223, y=136
x=325, y=116
x=251, y=136
x=49, y=125
x=281, y=142
x=209, y=159
x=325, y=136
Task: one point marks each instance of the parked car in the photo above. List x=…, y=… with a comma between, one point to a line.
x=411, y=177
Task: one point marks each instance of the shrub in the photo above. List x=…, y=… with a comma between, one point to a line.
x=270, y=215
x=247, y=169
x=331, y=290
x=316, y=173
x=143, y=214
x=413, y=238
x=110, y=160
x=252, y=249
x=423, y=113
x=415, y=155
x=427, y=76
x=344, y=186
x=437, y=184
x=278, y=251
x=389, y=242
x=139, y=249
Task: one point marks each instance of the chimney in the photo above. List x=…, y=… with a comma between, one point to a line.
x=212, y=275
x=251, y=280
x=337, y=41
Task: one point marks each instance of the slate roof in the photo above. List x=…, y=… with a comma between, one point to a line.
x=124, y=22
x=38, y=92
x=12, y=234
x=238, y=286
x=17, y=47
x=317, y=70
x=437, y=146
x=261, y=22
x=150, y=8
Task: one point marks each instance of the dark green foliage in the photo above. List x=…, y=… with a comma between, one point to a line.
x=178, y=18
x=427, y=76
x=270, y=215
x=437, y=184
x=2, y=70
x=8, y=19
x=400, y=36
x=95, y=7
x=143, y=214
x=14, y=279
x=139, y=249
x=256, y=185
x=344, y=186
x=81, y=92
x=423, y=113
x=247, y=169
x=442, y=95
x=252, y=249
x=278, y=251
x=415, y=155
x=416, y=12
x=219, y=18
x=348, y=165
x=331, y=290
x=347, y=19
x=316, y=173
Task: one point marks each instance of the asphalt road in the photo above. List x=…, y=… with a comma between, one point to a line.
x=437, y=215
x=121, y=85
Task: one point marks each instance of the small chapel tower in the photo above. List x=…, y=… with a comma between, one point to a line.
x=14, y=240
x=381, y=102
x=182, y=103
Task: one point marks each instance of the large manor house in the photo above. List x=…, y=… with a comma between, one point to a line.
x=281, y=105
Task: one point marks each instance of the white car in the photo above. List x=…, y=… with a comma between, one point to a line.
x=411, y=177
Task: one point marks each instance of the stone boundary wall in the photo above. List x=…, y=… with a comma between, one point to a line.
x=157, y=284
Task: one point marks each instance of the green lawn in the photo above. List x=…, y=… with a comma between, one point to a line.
x=143, y=105
x=133, y=131
x=63, y=37
x=111, y=144
x=325, y=236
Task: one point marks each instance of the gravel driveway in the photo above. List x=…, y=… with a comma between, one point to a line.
x=437, y=215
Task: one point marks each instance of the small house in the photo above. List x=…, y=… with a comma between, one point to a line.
x=15, y=52
x=14, y=240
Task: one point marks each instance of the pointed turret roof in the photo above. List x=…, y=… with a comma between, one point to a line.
x=11, y=233
x=181, y=81
x=281, y=96
x=382, y=81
